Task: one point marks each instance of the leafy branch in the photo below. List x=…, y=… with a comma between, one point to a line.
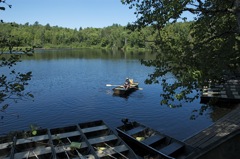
x=12, y=82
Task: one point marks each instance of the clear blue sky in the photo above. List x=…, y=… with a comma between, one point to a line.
x=68, y=13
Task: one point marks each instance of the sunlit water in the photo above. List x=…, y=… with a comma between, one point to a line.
x=70, y=87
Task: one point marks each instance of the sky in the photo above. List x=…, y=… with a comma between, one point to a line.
x=68, y=13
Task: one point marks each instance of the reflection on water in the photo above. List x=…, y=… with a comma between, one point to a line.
x=70, y=87
x=87, y=54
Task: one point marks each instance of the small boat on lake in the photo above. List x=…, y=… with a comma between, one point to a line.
x=126, y=89
x=89, y=140
x=121, y=90
x=149, y=142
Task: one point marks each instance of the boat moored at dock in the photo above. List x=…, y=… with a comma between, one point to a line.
x=152, y=142
x=90, y=140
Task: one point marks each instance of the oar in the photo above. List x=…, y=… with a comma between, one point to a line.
x=103, y=151
x=64, y=149
x=110, y=85
x=137, y=88
x=35, y=154
x=116, y=151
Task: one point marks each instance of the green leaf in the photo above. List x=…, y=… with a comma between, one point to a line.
x=34, y=132
x=76, y=145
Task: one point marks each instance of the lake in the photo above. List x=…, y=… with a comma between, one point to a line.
x=70, y=87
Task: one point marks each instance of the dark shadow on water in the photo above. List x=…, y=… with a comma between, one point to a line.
x=125, y=96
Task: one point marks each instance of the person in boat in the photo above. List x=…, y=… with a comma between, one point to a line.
x=127, y=83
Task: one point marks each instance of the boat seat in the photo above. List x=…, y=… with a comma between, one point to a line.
x=65, y=135
x=171, y=148
x=102, y=139
x=95, y=128
x=135, y=130
x=153, y=139
x=32, y=139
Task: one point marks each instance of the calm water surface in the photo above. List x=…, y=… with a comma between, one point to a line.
x=70, y=87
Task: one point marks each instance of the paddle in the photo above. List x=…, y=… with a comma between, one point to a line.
x=110, y=85
x=116, y=151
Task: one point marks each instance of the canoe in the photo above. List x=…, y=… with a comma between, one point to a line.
x=120, y=90
x=146, y=141
x=105, y=142
x=90, y=140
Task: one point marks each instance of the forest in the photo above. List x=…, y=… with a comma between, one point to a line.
x=111, y=37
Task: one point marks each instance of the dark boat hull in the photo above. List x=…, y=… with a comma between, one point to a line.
x=120, y=90
x=152, y=142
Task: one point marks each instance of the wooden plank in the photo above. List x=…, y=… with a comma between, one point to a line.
x=234, y=118
x=208, y=134
x=135, y=130
x=5, y=145
x=37, y=151
x=102, y=139
x=153, y=139
x=228, y=129
x=171, y=148
x=223, y=121
x=224, y=126
x=65, y=135
x=111, y=151
x=96, y=128
x=230, y=116
x=32, y=139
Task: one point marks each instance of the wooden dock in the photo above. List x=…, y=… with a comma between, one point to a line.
x=220, y=129
x=228, y=92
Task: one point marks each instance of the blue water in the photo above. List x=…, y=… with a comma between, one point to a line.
x=70, y=87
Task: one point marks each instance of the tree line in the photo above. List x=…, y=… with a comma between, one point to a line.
x=111, y=37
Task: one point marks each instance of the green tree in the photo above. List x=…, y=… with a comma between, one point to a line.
x=12, y=82
x=195, y=53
